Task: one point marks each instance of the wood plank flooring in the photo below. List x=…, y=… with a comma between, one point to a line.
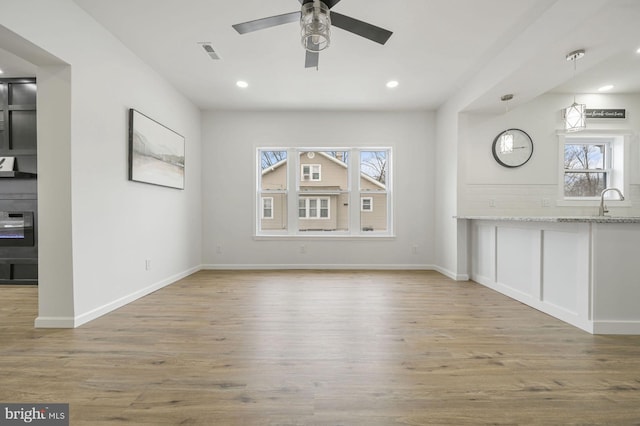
x=320, y=348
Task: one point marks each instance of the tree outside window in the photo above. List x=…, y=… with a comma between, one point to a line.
x=586, y=168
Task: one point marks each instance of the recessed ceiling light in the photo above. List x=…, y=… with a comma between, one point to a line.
x=391, y=84
x=638, y=51
x=242, y=84
x=1, y=72
x=605, y=88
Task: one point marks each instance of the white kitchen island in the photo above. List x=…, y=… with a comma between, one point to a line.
x=582, y=270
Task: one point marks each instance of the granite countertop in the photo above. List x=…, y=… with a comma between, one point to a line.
x=595, y=219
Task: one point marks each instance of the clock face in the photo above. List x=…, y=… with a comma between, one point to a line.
x=512, y=148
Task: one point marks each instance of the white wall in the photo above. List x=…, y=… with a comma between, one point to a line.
x=446, y=230
x=229, y=143
x=55, y=249
x=521, y=191
x=115, y=224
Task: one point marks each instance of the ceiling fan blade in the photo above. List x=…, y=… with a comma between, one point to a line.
x=311, y=59
x=329, y=3
x=272, y=21
x=373, y=33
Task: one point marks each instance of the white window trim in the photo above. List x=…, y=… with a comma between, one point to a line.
x=362, y=209
x=619, y=167
x=263, y=207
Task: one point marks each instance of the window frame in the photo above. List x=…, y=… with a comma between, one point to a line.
x=349, y=197
x=312, y=167
x=263, y=216
x=606, y=169
x=307, y=199
x=618, y=170
x=362, y=199
x=282, y=191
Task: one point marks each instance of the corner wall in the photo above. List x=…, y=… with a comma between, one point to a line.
x=446, y=235
x=99, y=228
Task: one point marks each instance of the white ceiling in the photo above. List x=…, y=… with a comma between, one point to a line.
x=478, y=49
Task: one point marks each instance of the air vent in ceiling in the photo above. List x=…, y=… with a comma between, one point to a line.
x=210, y=51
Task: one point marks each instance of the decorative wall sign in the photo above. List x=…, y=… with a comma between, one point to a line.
x=606, y=113
x=156, y=153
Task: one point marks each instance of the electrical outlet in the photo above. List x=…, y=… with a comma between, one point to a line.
x=414, y=249
x=546, y=202
x=219, y=249
x=303, y=249
x=492, y=202
x=147, y=264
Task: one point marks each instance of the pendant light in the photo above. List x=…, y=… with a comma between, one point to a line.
x=575, y=115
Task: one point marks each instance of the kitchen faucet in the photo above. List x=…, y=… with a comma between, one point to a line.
x=603, y=208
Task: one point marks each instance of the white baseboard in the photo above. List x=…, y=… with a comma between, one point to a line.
x=558, y=313
x=54, y=322
x=249, y=267
x=451, y=274
x=616, y=327
x=78, y=320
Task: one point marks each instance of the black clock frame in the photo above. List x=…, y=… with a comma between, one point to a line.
x=495, y=155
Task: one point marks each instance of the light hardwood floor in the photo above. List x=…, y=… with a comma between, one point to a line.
x=319, y=348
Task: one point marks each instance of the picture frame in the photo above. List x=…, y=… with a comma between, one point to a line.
x=156, y=153
x=7, y=164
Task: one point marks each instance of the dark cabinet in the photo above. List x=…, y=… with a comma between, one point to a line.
x=18, y=126
x=18, y=187
x=19, y=273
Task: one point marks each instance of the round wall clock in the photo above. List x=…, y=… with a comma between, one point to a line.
x=512, y=148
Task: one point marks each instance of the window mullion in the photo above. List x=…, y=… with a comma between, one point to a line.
x=354, y=191
x=293, y=179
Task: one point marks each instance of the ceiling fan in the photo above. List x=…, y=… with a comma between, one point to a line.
x=315, y=26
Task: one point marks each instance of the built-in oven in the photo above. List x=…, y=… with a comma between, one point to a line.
x=16, y=229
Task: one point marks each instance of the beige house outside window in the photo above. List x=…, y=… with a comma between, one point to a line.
x=333, y=190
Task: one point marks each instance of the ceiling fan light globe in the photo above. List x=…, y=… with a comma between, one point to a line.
x=315, y=43
x=315, y=26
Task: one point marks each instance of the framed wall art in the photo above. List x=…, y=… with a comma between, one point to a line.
x=156, y=153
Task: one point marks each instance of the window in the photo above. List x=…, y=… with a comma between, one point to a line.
x=366, y=204
x=272, y=191
x=311, y=172
x=313, y=208
x=267, y=207
x=591, y=162
x=325, y=186
x=374, y=167
x=587, y=167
